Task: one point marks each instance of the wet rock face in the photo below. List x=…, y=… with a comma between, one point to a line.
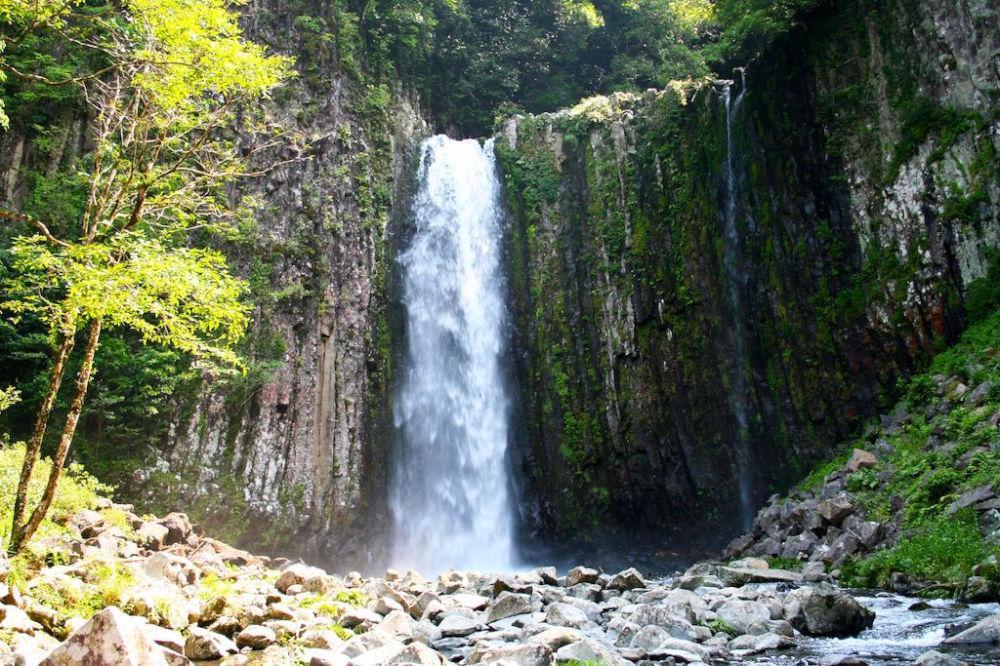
x=849, y=256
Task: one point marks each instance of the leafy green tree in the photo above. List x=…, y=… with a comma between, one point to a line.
x=173, y=79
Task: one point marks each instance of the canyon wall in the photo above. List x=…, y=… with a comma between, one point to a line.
x=706, y=294
x=672, y=371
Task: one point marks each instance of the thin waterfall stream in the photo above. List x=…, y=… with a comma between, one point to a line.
x=450, y=497
x=735, y=280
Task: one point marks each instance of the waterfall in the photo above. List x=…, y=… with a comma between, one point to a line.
x=735, y=279
x=450, y=500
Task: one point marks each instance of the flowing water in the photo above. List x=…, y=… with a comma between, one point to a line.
x=450, y=500
x=735, y=281
x=899, y=635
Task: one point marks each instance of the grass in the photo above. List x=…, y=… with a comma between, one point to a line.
x=786, y=563
x=719, y=625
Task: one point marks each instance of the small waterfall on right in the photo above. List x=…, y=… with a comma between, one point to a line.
x=735, y=279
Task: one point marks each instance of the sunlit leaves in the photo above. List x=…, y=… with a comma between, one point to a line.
x=195, y=47
x=184, y=298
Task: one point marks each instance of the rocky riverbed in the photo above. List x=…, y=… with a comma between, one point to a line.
x=157, y=592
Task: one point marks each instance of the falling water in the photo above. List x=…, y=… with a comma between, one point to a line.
x=735, y=280
x=450, y=500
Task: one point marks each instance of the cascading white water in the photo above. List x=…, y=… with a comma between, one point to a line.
x=450, y=500
x=735, y=280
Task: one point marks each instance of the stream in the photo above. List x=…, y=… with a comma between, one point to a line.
x=899, y=635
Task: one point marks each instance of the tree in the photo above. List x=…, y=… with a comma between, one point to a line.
x=172, y=81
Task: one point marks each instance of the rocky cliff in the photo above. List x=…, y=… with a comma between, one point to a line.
x=302, y=443
x=713, y=283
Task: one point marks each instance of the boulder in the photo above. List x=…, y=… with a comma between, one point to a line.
x=525, y=654
x=556, y=637
x=842, y=547
x=25, y=650
x=416, y=654
x=868, y=532
x=203, y=645
x=935, y=658
x=508, y=604
x=170, y=568
x=800, y=544
x=297, y=574
x=565, y=615
x=152, y=535
x=578, y=575
x=169, y=639
x=824, y=610
x=665, y=618
x=256, y=637
x=324, y=585
x=737, y=577
x=357, y=616
x=178, y=528
x=586, y=651
x=110, y=638
x=835, y=509
x=984, y=632
x=970, y=497
x=861, y=459
x=685, y=604
x=629, y=579
x=458, y=625
x=649, y=637
x=328, y=658
x=741, y=614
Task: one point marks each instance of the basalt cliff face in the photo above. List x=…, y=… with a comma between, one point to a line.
x=296, y=455
x=712, y=284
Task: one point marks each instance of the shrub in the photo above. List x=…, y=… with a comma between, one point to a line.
x=77, y=491
x=943, y=550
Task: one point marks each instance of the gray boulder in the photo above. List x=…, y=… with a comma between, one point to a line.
x=110, y=638
x=256, y=637
x=526, y=654
x=824, y=610
x=578, y=575
x=203, y=645
x=630, y=579
x=935, y=658
x=565, y=615
x=508, y=604
x=741, y=614
x=984, y=632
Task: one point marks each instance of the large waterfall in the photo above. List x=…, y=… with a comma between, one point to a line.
x=450, y=500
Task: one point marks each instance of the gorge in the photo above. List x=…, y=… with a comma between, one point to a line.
x=620, y=284
x=708, y=286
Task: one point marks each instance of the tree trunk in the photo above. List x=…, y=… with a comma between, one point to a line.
x=59, y=460
x=34, y=448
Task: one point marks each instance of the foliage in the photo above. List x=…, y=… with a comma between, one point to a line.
x=180, y=297
x=983, y=294
x=9, y=397
x=750, y=26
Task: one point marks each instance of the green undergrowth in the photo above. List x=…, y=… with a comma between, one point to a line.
x=927, y=462
x=786, y=563
x=77, y=490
